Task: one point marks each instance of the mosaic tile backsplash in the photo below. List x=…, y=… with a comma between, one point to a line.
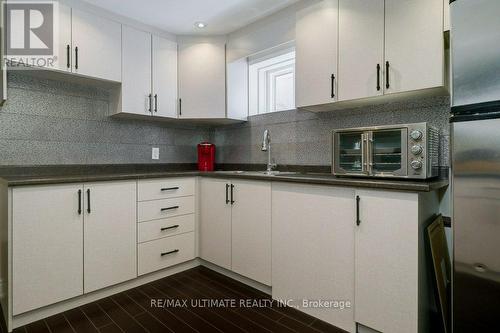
x=304, y=138
x=46, y=122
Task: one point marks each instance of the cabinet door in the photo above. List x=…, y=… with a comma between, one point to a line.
x=47, y=246
x=387, y=261
x=361, y=49
x=313, y=248
x=316, y=53
x=215, y=222
x=110, y=240
x=96, y=46
x=136, y=72
x=164, y=77
x=64, y=54
x=251, y=230
x=202, y=80
x=414, y=44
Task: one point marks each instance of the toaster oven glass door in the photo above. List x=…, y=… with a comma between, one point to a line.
x=388, y=152
x=350, y=150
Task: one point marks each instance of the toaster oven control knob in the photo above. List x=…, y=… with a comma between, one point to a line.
x=416, y=135
x=416, y=149
x=416, y=165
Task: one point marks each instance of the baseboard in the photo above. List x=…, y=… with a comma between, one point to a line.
x=32, y=316
x=237, y=277
x=35, y=315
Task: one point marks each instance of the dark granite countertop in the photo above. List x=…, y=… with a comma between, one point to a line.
x=22, y=176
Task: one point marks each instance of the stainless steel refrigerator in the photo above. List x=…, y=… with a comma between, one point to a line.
x=475, y=125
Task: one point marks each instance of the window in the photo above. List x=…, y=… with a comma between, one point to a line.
x=272, y=83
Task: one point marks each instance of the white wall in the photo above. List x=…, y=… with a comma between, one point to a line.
x=263, y=34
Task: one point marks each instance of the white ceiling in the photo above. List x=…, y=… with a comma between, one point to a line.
x=179, y=16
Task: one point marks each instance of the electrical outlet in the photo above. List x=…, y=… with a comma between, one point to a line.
x=156, y=154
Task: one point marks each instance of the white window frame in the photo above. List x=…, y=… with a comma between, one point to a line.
x=262, y=81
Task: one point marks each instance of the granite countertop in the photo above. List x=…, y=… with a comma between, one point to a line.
x=59, y=175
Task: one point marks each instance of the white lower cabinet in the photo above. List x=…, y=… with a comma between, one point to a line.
x=389, y=257
x=71, y=239
x=165, y=252
x=215, y=221
x=110, y=234
x=235, y=226
x=166, y=218
x=47, y=245
x=251, y=230
x=313, y=249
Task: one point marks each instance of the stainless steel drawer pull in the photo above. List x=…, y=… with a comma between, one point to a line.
x=170, y=252
x=169, y=228
x=170, y=188
x=169, y=208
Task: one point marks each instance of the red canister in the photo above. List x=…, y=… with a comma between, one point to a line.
x=206, y=156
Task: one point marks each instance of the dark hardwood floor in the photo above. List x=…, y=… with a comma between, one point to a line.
x=131, y=311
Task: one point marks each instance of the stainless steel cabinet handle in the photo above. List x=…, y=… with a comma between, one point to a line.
x=170, y=252
x=156, y=103
x=170, y=228
x=169, y=208
x=227, y=194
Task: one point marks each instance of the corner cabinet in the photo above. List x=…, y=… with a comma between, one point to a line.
x=235, y=226
x=202, y=79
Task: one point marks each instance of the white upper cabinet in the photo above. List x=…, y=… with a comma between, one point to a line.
x=164, y=78
x=64, y=55
x=136, y=74
x=361, y=49
x=110, y=236
x=47, y=245
x=202, y=80
x=414, y=44
x=381, y=47
x=316, y=53
x=96, y=46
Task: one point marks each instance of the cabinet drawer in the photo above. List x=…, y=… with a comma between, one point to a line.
x=165, y=252
x=165, y=188
x=160, y=209
x=157, y=229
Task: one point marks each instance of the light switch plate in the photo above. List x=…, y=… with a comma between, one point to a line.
x=156, y=154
